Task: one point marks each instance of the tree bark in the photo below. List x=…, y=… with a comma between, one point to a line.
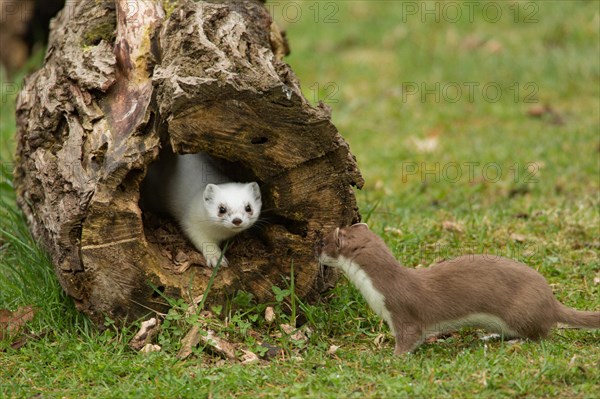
x=118, y=85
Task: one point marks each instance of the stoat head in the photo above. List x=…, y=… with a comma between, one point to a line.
x=234, y=206
x=344, y=243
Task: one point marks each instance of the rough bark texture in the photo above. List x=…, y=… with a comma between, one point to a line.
x=120, y=84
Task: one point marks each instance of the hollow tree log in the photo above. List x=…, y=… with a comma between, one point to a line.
x=120, y=85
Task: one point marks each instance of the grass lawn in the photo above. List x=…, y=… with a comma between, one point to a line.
x=477, y=128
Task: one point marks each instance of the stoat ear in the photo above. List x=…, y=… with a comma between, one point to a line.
x=360, y=225
x=336, y=237
x=210, y=192
x=255, y=190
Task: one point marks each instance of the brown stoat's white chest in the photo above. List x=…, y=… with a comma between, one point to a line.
x=364, y=283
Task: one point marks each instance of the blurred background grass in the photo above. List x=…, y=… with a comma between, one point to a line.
x=490, y=120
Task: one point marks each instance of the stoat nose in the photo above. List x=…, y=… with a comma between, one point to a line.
x=237, y=221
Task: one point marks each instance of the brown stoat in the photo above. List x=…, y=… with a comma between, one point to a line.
x=491, y=292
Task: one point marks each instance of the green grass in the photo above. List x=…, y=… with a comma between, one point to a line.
x=547, y=216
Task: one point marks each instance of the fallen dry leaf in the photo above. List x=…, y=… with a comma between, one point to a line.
x=218, y=346
x=287, y=328
x=249, y=357
x=332, y=349
x=295, y=334
x=213, y=344
x=19, y=342
x=269, y=314
x=146, y=334
x=11, y=323
x=379, y=340
x=189, y=342
x=150, y=348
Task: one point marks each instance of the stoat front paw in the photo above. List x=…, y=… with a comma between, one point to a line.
x=211, y=252
x=212, y=260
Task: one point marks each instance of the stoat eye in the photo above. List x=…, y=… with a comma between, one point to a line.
x=222, y=210
x=248, y=208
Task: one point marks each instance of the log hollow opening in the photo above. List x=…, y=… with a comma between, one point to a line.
x=178, y=256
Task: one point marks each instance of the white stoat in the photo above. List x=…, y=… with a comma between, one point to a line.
x=207, y=205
